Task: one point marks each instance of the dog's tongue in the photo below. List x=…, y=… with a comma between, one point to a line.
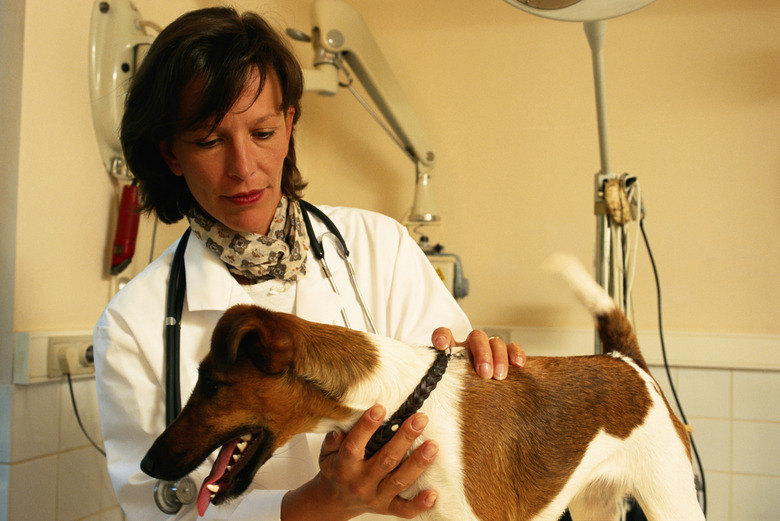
x=217, y=471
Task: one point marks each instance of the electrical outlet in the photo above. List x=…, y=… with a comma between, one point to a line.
x=69, y=355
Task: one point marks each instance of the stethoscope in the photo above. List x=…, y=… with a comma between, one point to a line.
x=171, y=495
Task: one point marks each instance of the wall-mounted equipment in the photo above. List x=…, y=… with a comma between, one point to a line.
x=117, y=42
x=448, y=266
x=339, y=35
x=342, y=43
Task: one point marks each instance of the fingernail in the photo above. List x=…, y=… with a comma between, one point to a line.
x=484, y=370
x=430, y=499
x=519, y=361
x=440, y=342
x=429, y=450
x=500, y=372
x=419, y=422
x=376, y=413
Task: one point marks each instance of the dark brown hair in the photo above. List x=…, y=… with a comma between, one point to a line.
x=220, y=49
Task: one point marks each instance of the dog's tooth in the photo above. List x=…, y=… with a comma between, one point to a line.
x=212, y=496
x=213, y=488
x=246, y=437
x=228, y=468
x=241, y=446
x=236, y=457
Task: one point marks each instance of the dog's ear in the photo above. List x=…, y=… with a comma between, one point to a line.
x=252, y=330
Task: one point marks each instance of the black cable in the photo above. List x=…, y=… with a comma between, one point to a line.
x=666, y=363
x=78, y=418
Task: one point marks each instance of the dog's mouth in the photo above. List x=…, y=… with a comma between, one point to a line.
x=236, y=464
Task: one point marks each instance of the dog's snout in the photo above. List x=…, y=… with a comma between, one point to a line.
x=147, y=465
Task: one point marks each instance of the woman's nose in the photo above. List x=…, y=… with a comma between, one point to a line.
x=240, y=163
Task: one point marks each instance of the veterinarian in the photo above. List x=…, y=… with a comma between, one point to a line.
x=208, y=131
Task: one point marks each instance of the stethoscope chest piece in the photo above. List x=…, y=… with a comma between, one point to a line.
x=171, y=495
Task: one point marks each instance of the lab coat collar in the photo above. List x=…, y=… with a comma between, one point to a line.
x=210, y=287
x=209, y=283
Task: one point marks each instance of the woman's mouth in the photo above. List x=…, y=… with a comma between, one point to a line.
x=245, y=198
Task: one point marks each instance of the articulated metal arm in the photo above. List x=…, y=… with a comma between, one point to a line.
x=339, y=34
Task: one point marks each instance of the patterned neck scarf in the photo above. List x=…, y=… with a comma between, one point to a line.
x=281, y=254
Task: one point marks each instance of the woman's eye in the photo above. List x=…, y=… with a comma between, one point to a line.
x=206, y=144
x=263, y=135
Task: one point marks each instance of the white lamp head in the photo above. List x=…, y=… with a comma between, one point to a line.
x=579, y=10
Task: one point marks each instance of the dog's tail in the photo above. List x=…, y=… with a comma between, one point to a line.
x=615, y=330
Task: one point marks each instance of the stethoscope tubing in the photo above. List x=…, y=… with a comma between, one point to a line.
x=174, y=305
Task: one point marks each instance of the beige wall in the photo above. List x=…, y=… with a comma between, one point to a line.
x=507, y=100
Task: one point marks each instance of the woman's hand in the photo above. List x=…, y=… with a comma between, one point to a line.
x=491, y=356
x=349, y=485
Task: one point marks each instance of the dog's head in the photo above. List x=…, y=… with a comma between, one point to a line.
x=267, y=377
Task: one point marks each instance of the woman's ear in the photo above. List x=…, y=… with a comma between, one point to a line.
x=166, y=151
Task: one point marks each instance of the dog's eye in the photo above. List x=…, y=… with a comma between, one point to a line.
x=209, y=388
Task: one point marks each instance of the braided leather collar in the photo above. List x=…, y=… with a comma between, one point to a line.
x=410, y=406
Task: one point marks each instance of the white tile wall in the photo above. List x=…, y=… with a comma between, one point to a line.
x=78, y=479
x=757, y=448
x=757, y=395
x=757, y=498
x=718, y=496
x=33, y=489
x=35, y=421
x=736, y=419
x=51, y=472
x=713, y=442
x=705, y=392
x=85, y=393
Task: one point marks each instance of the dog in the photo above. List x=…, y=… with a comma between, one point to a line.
x=580, y=432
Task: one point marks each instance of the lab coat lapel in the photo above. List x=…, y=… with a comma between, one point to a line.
x=315, y=300
x=209, y=287
x=209, y=284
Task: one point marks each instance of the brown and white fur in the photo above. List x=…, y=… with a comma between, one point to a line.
x=578, y=432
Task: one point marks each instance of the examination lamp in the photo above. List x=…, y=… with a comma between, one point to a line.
x=593, y=14
x=579, y=10
x=339, y=34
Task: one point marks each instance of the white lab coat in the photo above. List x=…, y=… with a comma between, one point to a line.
x=403, y=292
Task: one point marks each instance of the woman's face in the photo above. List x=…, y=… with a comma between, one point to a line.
x=235, y=171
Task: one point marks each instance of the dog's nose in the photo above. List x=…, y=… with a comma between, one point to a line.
x=147, y=465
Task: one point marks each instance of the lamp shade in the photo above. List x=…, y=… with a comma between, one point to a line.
x=579, y=10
